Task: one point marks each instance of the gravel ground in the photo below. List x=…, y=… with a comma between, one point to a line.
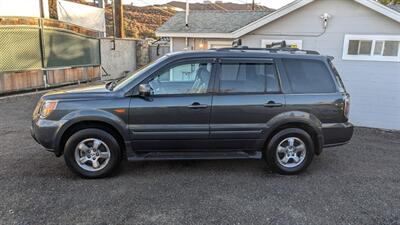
x=354, y=184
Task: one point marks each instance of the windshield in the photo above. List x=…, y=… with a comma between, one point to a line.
x=131, y=76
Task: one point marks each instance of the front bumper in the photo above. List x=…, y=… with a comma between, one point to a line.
x=44, y=132
x=336, y=134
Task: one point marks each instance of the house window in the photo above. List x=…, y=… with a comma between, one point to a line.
x=290, y=43
x=372, y=47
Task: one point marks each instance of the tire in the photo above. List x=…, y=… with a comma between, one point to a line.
x=86, y=146
x=279, y=151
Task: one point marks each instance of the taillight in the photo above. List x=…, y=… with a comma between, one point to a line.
x=346, y=109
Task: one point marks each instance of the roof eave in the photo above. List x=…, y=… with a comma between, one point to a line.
x=380, y=8
x=194, y=35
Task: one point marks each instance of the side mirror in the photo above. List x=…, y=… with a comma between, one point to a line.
x=145, y=90
x=109, y=84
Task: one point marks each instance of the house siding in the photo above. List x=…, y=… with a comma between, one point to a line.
x=374, y=86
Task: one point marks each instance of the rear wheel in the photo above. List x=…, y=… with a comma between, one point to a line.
x=290, y=151
x=92, y=153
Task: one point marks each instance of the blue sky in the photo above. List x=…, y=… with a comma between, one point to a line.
x=270, y=3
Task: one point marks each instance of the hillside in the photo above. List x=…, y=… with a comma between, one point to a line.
x=141, y=22
x=212, y=6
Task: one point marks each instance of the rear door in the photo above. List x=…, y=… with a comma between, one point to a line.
x=311, y=87
x=248, y=95
x=176, y=116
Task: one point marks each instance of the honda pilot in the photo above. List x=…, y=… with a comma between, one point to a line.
x=282, y=106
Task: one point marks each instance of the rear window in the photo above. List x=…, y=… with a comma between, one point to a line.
x=308, y=76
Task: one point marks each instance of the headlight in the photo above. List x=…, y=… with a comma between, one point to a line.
x=47, y=108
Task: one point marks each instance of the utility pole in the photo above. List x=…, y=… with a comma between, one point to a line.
x=42, y=44
x=119, y=31
x=253, y=5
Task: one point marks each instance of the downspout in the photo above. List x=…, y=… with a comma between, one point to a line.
x=187, y=23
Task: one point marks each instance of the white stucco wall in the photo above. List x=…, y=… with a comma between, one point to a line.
x=120, y=60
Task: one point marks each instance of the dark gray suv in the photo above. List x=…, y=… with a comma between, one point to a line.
x=283, y=106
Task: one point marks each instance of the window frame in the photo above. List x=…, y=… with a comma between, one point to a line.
x=168, y=66
x=371, y=56
x=218, y=67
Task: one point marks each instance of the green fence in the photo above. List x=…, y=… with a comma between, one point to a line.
x=20, y=48
x=63, y=48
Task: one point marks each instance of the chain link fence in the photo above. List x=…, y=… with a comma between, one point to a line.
x=20, y=48
x=35, y=57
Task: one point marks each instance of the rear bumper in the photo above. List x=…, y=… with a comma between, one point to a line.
x=336, y=134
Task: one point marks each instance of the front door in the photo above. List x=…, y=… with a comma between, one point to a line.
x=248, y=96
x=176, y=115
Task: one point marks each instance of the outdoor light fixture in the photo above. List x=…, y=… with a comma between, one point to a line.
x=201, y=45
x=325, y=18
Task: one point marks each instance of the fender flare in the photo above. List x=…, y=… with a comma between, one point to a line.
x=299, y=117
x=102, y=116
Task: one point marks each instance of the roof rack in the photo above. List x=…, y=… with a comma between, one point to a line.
x=281, y=47
x=270, y=50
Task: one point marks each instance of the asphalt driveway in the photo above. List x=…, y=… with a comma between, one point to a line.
x=355, y=184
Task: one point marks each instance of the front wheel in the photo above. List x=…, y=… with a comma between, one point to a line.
x=290, y=151
x=92, y=153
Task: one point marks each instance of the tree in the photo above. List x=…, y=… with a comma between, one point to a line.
x=389, y=2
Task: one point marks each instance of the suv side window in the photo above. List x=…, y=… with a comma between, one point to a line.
x=188, y=78
x=308, y=76
x=248, y=78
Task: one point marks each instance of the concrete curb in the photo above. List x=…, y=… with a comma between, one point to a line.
x=24, y=94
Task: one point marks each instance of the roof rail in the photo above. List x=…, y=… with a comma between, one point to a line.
x=270, y=50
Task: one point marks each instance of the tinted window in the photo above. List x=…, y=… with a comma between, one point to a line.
x=192, y=78
x=248, y=78
x=339, y=80
x=308, y=76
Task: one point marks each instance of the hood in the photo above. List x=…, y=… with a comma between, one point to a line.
x=93, y=91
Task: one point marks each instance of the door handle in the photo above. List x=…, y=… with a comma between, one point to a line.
x=273, y=104
x=197, y=105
